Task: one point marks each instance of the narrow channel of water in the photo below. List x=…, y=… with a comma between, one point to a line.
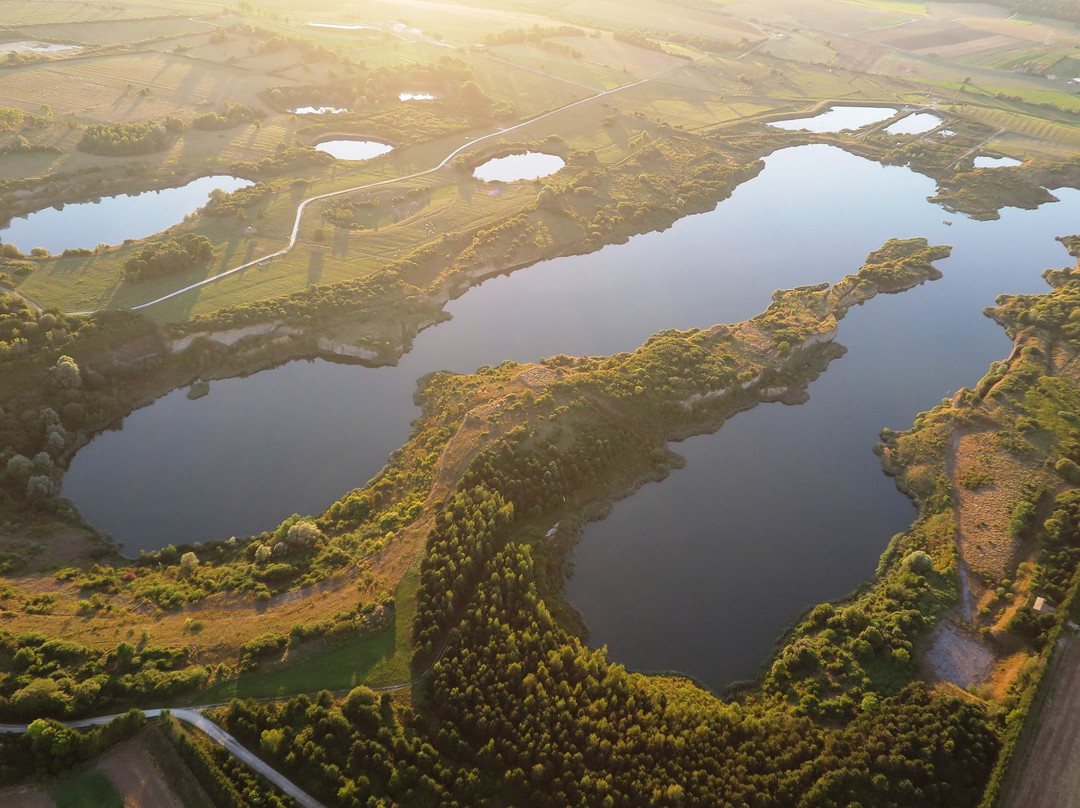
x=782, y=508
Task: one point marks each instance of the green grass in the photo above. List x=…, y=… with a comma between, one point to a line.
x=88, y=789
x=377, y=661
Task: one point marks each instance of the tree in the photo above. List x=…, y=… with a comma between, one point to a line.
x=38, y=487
x=10, y=118
x=42, y=463
x=188, y=562
x=66, y=373
x=51, y=738
x=547, y=199
x=18, y=468
x=470, y=92
x=303, y=534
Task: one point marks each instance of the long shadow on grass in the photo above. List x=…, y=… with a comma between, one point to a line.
x=315, y=266
x=341, y=667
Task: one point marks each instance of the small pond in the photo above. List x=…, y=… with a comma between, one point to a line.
x=837, y=119
x=415, y=97
x=528, y=166
x=34, y=46
x=319, y=110
x=985, y=161
x=915, y=124
x=354, y=149
x=112, y=219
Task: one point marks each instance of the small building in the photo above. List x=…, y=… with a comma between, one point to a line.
x=1042, y=607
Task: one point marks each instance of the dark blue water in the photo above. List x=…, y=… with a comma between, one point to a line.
x=782, y=508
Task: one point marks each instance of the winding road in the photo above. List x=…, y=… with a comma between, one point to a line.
x=215, y=733
x=303, y=205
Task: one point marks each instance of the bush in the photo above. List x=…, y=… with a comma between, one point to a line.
x=121, y=139
x=168, y=257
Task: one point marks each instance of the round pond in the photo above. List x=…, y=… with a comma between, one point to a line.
x=354, y=149
x=515, y=167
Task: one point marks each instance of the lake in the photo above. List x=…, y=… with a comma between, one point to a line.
x=985, y=161
x=354, y=149
x=837, y=119
x=112, y=219
x=515, y=167
x=783, y=508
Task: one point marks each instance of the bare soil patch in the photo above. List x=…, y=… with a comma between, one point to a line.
x=136, y=776
x=957, y=656
x=983, y=509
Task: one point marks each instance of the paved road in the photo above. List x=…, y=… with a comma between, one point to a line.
x=214, y=733
x=27, y=300
x=303, y=205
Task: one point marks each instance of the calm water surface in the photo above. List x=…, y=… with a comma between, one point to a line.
x=782, y=508
x=319, y=110
x=984, y=161
x=837, y=119
x=527, y=166
x=914, y=124
x=112, y=219
x=354, y=149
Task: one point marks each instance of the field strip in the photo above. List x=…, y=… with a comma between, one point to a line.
x=300, y=209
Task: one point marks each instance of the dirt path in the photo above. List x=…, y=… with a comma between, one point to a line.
x=1046, y=768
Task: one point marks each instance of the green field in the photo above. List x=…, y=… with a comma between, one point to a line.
x=379, y=661
x=88, y=789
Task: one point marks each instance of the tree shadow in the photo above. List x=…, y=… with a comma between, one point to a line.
x=315, y=266
x=340, y=247
x=67, y=266
x=227, y=256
